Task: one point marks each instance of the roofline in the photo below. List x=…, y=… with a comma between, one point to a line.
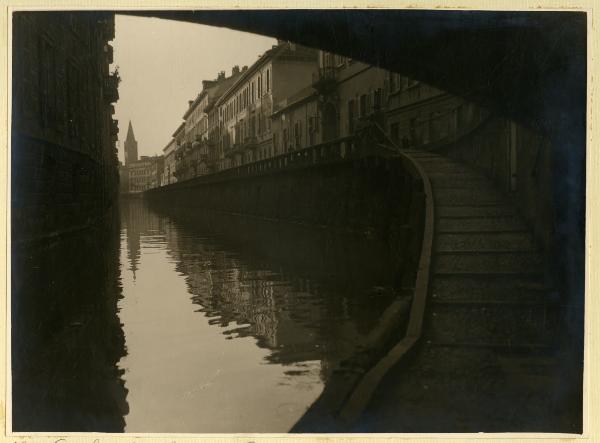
x=168, y=144
x=268, y=55
x=197, y=100
x=179, y=128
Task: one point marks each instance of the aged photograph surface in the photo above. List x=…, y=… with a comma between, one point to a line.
x=297, y=221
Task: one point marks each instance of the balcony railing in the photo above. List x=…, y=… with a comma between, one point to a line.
x=108, y=50
x=114, y=127
x=324, y=80
x=111, y=88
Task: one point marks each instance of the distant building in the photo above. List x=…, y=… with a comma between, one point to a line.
x=131, y=146
x=168, y=173
x=196, y=149
x=145, y=173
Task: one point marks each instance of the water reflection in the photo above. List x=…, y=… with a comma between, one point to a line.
x=235, y=324
x=66, y=336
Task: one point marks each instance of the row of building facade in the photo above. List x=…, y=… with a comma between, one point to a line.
x=293, y=97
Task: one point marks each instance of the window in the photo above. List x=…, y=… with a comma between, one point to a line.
x=460, y=116
x=363, y=105
x=311, y=130
x=413, y=131
x=72, y=98
x=351, y=105
x=393, y=84
x=377, y=94
x=297, y=135
x=48, y=111
x=259, y=86
x=395, y=133
x=268, y=80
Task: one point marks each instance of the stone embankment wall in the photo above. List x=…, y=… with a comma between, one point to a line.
x=372, y=196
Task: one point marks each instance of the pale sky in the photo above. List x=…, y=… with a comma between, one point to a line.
x=162, y=64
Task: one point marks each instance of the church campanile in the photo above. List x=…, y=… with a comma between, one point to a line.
x=131, y=152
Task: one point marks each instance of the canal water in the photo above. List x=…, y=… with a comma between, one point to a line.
x=205, y=323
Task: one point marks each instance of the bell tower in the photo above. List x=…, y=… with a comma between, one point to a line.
x=131, y=151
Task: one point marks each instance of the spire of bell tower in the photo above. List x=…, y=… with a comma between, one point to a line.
x=131, y=152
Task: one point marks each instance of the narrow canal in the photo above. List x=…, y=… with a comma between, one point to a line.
x=157, y=321
x=234, y=325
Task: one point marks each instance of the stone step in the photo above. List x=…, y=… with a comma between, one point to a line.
x=479, y=224
x=460, y=182
x=498, y=241
x=496, y=324
x=469, y=367
x=425, y=156
x=472, y=197
x=419, y=152
x=467, y=174
x=487, y=263
x=432, y=159
x=464, y=211
x=433, y=167
x=530, y=371
x=525, y=287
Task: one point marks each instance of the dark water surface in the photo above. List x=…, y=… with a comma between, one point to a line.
x=190, y=323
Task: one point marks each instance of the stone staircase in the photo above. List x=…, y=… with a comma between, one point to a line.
x=487, y=360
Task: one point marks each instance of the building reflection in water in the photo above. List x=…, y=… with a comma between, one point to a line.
x=289, y=300
x=66, y=335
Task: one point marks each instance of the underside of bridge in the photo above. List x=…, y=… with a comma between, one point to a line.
x=529, y=66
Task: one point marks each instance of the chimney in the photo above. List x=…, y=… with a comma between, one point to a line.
x=245, y=68
x=190, y=103
x=235, y=70
x=207, y=83
x=221, y=75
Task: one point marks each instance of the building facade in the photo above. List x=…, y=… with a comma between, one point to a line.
x=195, y=139
x=245, y=109
x=64, y=157
x=294, y=97
x=168, y=173
x=145, y=173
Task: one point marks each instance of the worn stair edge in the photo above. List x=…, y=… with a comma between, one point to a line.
x=362, y=393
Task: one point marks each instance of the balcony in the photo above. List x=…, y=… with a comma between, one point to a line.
x=233, y=149
x=111, y=88
x=114, y=127
x=108, y=28
x=108, y=50
x=250, y=142
x=324, y=80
